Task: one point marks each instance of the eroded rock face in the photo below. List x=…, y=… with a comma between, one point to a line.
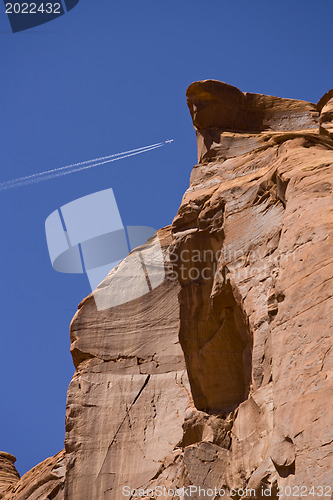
x=44, y=482
x=325, y=106
x=217, y=108
x=8, y=473
x=220, y=377
x=263, y=306
x=127, y=401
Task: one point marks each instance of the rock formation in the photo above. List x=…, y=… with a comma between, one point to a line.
x=8, y=473
x=44, y=482
x=221, y=377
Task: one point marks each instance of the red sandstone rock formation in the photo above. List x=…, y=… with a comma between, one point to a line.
x=223, y=377
x=8, y=473
x=43, y=482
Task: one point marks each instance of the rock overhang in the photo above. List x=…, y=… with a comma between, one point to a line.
x=221, y=112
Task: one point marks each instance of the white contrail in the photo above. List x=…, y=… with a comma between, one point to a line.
x=77, y=167
x=45, y=177
x=80, y=163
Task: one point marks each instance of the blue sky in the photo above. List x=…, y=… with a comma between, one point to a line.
x=107, y=77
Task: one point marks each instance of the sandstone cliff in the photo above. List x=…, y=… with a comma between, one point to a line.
x=221, y=377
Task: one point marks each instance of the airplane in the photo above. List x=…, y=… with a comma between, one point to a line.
x=168, y=141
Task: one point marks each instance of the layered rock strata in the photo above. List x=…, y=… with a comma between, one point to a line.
x=256, y=328
x=127, y=400
x=8, y=473
x=220, y=378
x=43, y=482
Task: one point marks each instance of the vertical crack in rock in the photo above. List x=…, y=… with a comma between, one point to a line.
x=125, y=417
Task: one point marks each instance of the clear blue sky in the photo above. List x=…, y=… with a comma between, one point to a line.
x=106, y=77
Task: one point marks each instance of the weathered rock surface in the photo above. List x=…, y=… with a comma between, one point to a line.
x=325, y=106
x=44, y=482
x=220, y=377
x=127, y=400
x=8, y=472
x=217, y=108
x=264, y=212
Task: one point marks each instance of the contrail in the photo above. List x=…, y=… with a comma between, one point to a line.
x=77, y=167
